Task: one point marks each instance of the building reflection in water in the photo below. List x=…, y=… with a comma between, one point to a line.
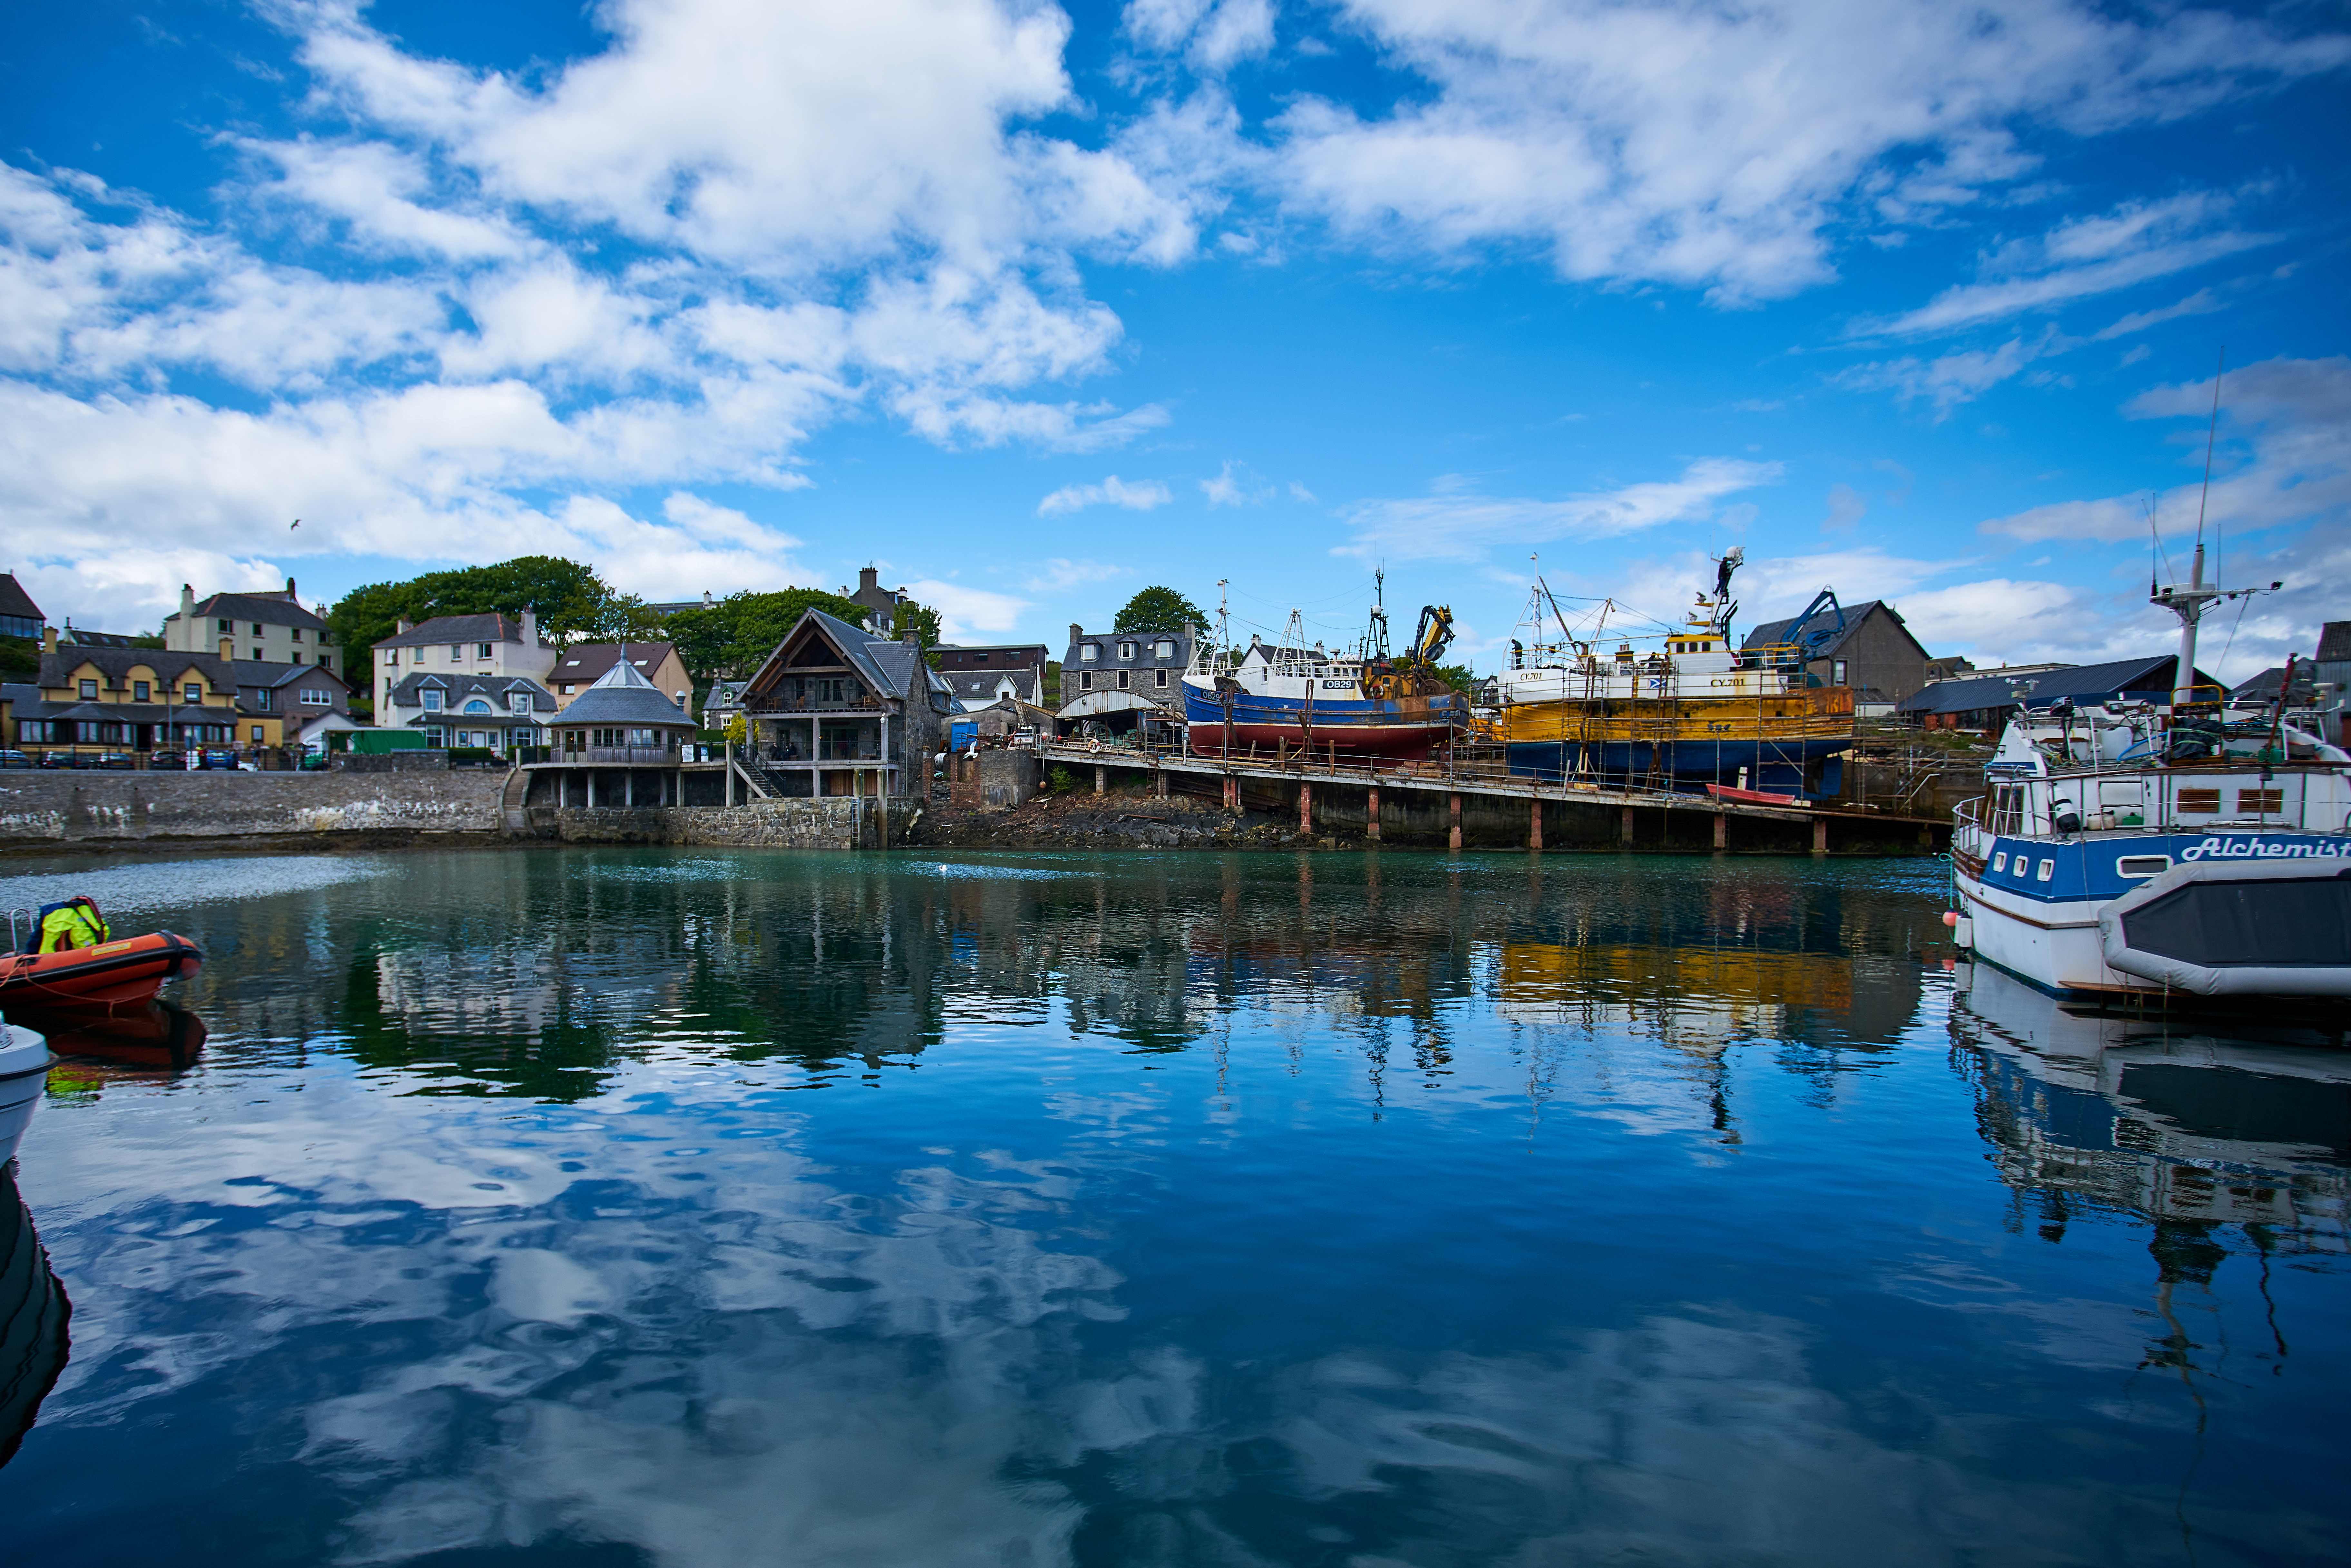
x=657, y=1295
x=34, y=1317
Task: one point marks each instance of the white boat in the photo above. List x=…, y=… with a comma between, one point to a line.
x=2148, y=850
x=25, y=1061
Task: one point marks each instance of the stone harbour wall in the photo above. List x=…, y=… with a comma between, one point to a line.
x=41, y=808
x=820, y=823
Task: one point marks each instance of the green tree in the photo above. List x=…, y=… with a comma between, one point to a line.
x=1052, y=683
x=732, y=638
x=1460, y=677
x=1157, y=610
x=568, y=599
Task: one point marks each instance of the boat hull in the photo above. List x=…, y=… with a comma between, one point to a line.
x=111, y=978
x=1807, y=768
x=2050, y=921
x=1398, y=728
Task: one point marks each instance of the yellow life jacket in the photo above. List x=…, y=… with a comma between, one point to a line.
x=75, y=924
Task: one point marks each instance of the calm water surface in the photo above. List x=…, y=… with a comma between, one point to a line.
x=608, y=1207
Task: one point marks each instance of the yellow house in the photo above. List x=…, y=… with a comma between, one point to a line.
x=130, y=701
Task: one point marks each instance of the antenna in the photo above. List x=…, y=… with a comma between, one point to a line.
x=2211, y=435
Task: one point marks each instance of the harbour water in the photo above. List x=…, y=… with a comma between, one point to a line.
x=616, y=1206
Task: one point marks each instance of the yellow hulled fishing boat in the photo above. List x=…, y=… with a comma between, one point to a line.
x=1691, y=713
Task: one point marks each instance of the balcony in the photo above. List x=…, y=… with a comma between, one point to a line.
x=600, y=756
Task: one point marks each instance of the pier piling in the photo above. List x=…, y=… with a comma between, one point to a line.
x=1372, y=815
x=1534, y=824
x=1453, y=839
x=1305, y=807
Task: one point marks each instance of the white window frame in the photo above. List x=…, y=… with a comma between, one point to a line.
x=312, y=697
x=1127, y=652
x=1089, y=652
x=431, y=699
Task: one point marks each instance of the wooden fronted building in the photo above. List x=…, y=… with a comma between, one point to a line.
x=835, y=710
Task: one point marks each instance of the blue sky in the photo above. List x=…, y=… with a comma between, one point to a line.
x=1031, y=307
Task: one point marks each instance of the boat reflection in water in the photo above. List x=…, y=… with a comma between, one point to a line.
x=33, y=1312
x=155, y=1034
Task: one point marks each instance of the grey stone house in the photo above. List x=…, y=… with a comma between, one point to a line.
x=835, y=710
x=1874, y=653
x=1149, y=666
x=881, y=604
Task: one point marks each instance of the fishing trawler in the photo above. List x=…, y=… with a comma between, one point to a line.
x=1693, y=714
x=2148, y=853
x=1285, y=700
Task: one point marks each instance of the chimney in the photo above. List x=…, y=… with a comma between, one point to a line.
x=913, y=640
x=290, y=592
x=187, y=606
x=405, y=627
x=530, y=631
x=48, y=639
x=1076, y=632
x=867, y=578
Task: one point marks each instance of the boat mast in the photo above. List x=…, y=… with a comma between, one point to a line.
x=2189, y=602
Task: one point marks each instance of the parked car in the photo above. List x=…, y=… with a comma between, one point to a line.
x=63, y=759
x=114, y=761
x=167, y=759
x=224, y=760
x=14, y=759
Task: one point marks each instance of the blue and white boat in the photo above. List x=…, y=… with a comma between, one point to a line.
x=1286, y=699
x=2144, y=852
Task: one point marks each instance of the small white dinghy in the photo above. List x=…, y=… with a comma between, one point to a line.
x=25, y=1062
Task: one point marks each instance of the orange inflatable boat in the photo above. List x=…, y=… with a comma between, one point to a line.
x=112, y=978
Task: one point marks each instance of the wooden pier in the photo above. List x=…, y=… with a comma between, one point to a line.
x=1476, y=805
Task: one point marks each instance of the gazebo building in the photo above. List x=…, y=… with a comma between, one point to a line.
x=615, y=734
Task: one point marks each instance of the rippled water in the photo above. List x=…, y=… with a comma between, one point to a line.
x=608, y=1207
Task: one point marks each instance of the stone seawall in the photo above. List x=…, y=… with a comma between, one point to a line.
x=45, y=809
x=823, y=823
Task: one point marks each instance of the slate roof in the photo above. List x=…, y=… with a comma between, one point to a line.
x=15, y=601
x=407, y=692
x=976, y=684
x=2263, y=685
x=994, y=659
x=1769, y=631
x=589, y=661
x=458, y=629
x=1144, y=643
x=81, y=637
x=263, y=673
x=115, y=664
x=2082, y=683
x=23, y=697
x=270, y=608
x=623, y=696
x=890, y=668
x=2334, y=642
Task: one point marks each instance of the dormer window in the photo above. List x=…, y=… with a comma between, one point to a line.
x=89, y=691
x=1125, y=651
x=432, y=700
x=519, y=701
x=138, y=690
x=192, y=692
x=1089, y=652
x=1163, y=649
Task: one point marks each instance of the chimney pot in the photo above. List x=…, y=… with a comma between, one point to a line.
x=289, y=588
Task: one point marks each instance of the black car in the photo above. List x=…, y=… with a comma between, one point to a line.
x=63, y=759
x=167, y=759
x=115, y=761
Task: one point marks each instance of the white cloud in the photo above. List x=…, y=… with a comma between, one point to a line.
x=1236, y=485
x=2084, y=256
x=1213, y=34
x=1846, y=507
x=1112, y=492
x=1948, y=379
x=2202, y=302
x=1456, y=524
x=965, y=611
x=1717, y=146
x=1058, y=574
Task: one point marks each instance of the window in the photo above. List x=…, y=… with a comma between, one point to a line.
x=314, y=696
x=478, y=706
x=2142, y=865
x=265, y=700
x=2199, y=801
x=295, y=658
x=2048, y=870
x=1121, y=680
x=257, y=628
x=228, y=626
x=260, y=735
x=138, y=690
x=89, y=691
x=257, y=655
x=191, y=692
x=1085, y=680
x=567, y=688
x=432, y=700
x=1163, y=649
x=517, y=702
x=391, y=658
x=433, y=736
x=2260, y=801
x=1159, y=679
x=1836, y=671
x=1125, y=651
x=2000, y=861
x=485, y=650
x=1089, y=652
x=295, y=633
